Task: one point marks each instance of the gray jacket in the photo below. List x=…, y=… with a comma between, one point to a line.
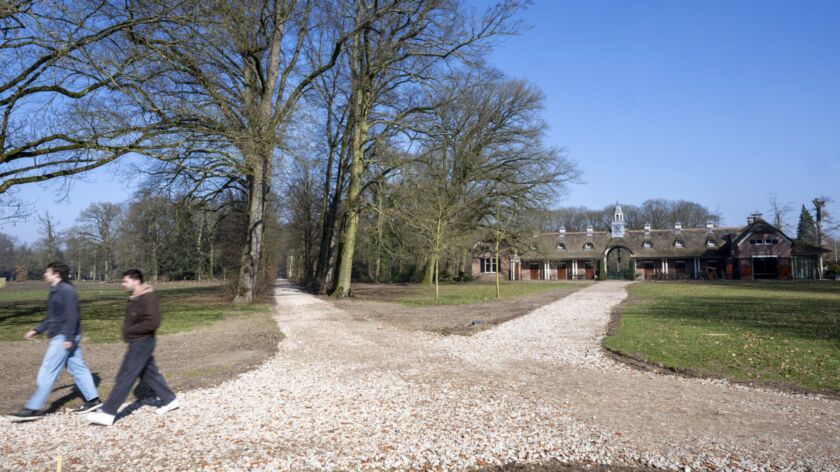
x=63, y=315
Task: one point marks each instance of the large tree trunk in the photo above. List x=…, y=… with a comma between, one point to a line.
x=332, y=262
x=437, y=279
x=200, y=262
x=360, y=125
x=498, y=270
x=429, y=274
x=79, y=264
x=252, y=250
x=345, y=266
x=380, y=231
x=326, y=252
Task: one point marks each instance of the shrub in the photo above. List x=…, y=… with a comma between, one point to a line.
x=631, y=270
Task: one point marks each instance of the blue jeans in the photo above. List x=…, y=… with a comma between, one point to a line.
x=56, y=359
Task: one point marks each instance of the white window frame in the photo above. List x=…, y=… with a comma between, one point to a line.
x=488, y=263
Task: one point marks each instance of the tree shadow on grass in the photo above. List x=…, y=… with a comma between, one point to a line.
x=14, y=311
x=801, y=318
x=829, y=287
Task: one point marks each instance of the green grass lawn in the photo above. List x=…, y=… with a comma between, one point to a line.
x=183, y=306
x=778, y=332
x=477, y=292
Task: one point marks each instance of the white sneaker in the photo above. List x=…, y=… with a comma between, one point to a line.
x=100, y=417
x=168, y=407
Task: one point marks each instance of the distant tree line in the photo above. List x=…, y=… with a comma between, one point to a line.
x=659, y=213
x=169, y=238
x=374, y=129
x=346, y=104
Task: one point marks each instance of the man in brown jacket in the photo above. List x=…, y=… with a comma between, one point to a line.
x=142, y=318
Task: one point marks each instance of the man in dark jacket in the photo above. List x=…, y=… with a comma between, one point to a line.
x=142, y=319
x=64, y=330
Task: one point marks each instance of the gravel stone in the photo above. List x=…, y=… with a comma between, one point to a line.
x=344, y=394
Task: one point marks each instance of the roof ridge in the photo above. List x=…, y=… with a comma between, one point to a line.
x=717, y=228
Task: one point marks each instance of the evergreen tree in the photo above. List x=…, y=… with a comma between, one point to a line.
x=806, y=232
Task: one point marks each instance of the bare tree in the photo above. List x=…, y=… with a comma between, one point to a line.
x=57, y=117
x=779, y=211
x=231, y=77
x=483, y=149
x=393, y=51
x=12, y=208
x=331, y=98
x=99, y=223
x=49, y=238
x=304, y=206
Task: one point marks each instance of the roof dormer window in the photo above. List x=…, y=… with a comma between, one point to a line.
x=561, y=246
x=589, y=246
x=647, y=244
x=679, y=243
x=711, y=243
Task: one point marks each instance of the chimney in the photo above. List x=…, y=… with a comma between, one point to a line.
x=589, y=231
x=710, y=227
x=562, y=231
x=678, y=227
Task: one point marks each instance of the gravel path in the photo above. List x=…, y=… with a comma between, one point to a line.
x=345, y=394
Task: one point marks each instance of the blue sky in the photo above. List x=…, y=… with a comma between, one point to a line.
x=717, y=102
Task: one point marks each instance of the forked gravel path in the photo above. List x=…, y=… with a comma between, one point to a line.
x=345, y=394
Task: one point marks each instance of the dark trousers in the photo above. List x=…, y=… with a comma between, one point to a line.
x=138, y=363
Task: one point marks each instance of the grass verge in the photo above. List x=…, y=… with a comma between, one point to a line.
x=783, y=333
x=477, y=292
x=184, y=307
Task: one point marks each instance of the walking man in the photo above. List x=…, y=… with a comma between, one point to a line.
x=142, y=319
x=63, y=327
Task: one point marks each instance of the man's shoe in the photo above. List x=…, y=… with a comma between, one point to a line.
x=25, y=415
x=90, y=405
x=168, y=407
x=100, y=418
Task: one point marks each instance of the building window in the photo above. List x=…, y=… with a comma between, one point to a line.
x=711, y=243
x=561, y=246
x=588, y=246
x=647, y=244
x=679, y=243
x=757, y=242
x=770, y=242
x=488, y=265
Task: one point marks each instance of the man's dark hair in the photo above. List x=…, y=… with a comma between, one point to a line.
x=60, y=268
x=134, y=274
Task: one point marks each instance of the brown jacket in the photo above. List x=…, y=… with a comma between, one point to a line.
x=142, y=315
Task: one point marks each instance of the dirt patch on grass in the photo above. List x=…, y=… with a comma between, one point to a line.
x=188, y=360
x=378, y=303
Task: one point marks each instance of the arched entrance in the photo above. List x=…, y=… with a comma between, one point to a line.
x=618, y=262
